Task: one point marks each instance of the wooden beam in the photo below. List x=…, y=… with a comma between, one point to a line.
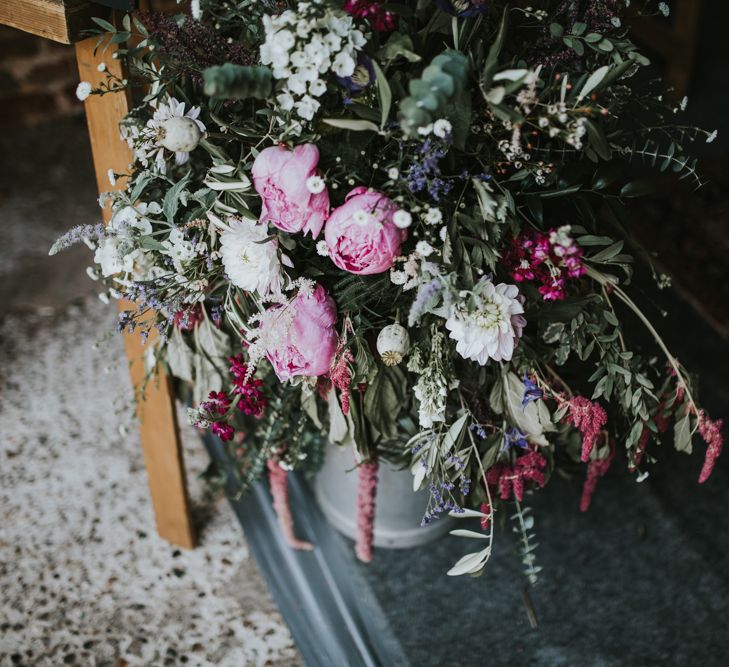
x=59, y=20
x=157, y=417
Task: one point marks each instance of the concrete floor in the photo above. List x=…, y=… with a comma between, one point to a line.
x=84, y=578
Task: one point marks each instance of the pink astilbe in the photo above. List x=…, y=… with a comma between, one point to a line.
x=511, y=479
x=595, y=469
x=710, y=431
x=380, y=19
x=589, y=418
x=341, y=377
x=278, y=481
x=366, y=492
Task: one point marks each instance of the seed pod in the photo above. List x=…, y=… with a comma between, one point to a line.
x=181, y=135
x=393, y=344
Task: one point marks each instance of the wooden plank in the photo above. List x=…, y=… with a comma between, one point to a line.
x=59, y=20
x=158, y=423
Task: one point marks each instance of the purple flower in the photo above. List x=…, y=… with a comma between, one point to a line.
x=363, y=76
x=531, y=392
x=463, y=8
x=514, y=437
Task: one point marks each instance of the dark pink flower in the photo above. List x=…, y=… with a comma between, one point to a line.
x=223, y=430
x=374, y=12
x=250, y=398
x=548, y=259
x=218, y=403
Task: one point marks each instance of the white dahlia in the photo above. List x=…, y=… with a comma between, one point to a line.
x=251, y=262
x=488, y=325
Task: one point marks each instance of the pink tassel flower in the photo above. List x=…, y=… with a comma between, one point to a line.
x=278, y=480
x=595, y=469
x=710, y=431
x=366, y=492
x=589, y=418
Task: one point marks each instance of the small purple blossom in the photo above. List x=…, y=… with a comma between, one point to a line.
x=531, y=392
x=463, y=8
x=514, y=437
x=425, y=172
x=76, y=235
x=362, y=77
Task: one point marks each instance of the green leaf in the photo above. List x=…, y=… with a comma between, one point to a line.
x=598, y=141
x=556, y=30
x=103, y=24
x=179, y=356
x=398, y=45
x=349, y=124
x=593, y=81
x=384, y=398
x=238, y=82
x=637, y=189
x=579, y=28
x=453, y=434
x=470, y=563
x=383, y=92
x=533, y=419
x=608, y=253
x=492, y=59
x=341, y=426
x=213, y=342
x=682, y=432
x=172, y=199
x=589, y=239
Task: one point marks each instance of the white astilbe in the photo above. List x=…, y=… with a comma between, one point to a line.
x=303, y=46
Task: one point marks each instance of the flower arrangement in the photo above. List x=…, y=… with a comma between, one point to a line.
x=400, y=228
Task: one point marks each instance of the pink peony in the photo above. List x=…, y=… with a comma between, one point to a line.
x=294, y=198
x=360, y=234
x=309, y=343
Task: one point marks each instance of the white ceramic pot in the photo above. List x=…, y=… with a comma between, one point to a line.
x=398, y=511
